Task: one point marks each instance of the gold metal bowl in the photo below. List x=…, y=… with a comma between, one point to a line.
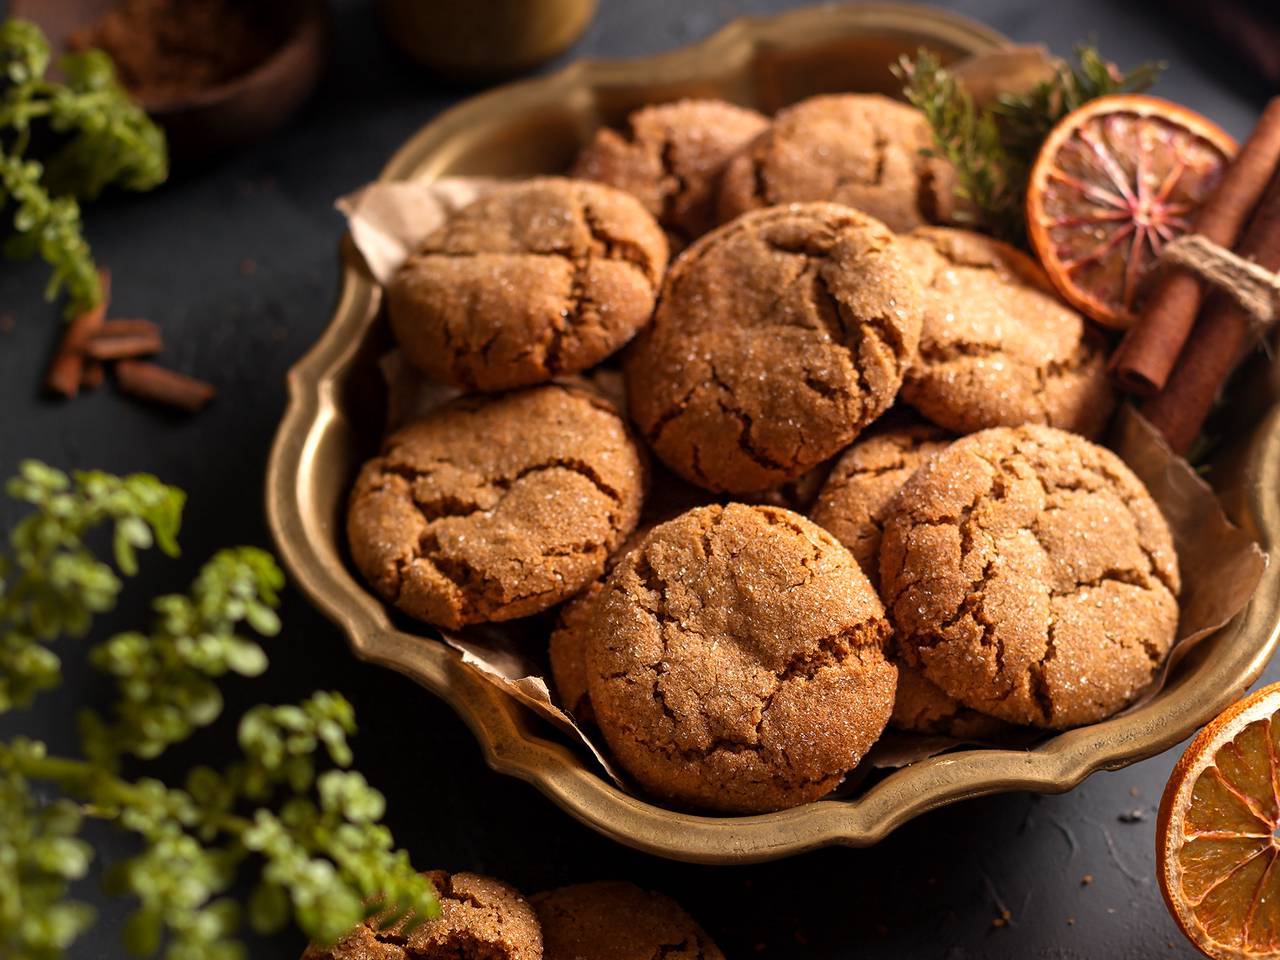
x=335, y=416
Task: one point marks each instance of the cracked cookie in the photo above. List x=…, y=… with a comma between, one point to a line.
x=567, y=651
x=491, y=508
x=777, y=339
x=856, y=496
x=998, y=348
x=863, y=150
x=480, y=919
x=1030, y=575
x=618, y=921
x=533, y=280
x=567, y=646
x=920, y=706
x=735, y=660
x=671, y=159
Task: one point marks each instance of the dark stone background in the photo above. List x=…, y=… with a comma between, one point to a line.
x=238, y=264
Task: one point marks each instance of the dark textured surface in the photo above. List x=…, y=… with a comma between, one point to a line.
x=238, y=264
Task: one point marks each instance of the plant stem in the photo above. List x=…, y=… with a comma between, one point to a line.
x=101, y=791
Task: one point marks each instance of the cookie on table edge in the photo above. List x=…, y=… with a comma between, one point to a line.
x=480, y=918
x=618, y=921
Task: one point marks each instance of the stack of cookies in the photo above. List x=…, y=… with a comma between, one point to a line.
x=823, y=343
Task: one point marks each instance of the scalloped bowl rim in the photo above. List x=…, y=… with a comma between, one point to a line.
x=516, y=743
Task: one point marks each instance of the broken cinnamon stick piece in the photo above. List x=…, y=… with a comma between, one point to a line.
x=93, y=375
x=157, y=384
x=107, y=345
x=127, y=327
x=67, y=367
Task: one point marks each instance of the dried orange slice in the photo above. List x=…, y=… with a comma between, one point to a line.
x=1217, y=851
x=1114, y=182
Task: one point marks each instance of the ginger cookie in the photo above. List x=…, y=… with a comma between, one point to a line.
x=735, y=660
x=998, y=348
x=618, y=921
x=920, y=706
x=531, y=281
x=491, y=508
x=480, y=919
x=1030, y=575
x=862, y=150
x=853, y=502
x=671, y=159
x=778, y=338
x=567, y=651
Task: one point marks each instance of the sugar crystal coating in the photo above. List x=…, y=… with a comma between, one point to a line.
x=531, y=281
x=491, y=508
x=1030, y=575
x=778, y=338
x=735, y=660
x=671, y=158
x=997, y=347
x=862, y=150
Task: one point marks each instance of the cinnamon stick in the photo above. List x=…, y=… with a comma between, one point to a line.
x=67, y=367
x=1143, y=361
x=93, y=375
x=1220, y=336
x=127, y=327
x=148, y=381
x=124, y=340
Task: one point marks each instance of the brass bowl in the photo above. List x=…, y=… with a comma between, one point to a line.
x=336, y=412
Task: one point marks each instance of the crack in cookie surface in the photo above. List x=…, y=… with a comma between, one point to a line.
x=1030, y=576
x=670, y=157
x=736, y=660
x=855, y=499
x=777, y=339
x=863, y=150
x=495, y=508
x=480, y=918
x=997, y=348
x=530, y=281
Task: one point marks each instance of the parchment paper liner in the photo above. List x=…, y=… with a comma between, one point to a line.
x=1220, y=565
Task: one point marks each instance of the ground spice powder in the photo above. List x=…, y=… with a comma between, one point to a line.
x=167, y=49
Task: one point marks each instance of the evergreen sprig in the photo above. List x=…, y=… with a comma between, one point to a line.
x=290, y=809
x=993, y=147
x=100, y=137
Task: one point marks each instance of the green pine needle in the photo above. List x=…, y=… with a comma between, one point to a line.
x=993, y=148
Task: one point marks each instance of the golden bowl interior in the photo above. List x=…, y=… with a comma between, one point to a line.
x=335, y=415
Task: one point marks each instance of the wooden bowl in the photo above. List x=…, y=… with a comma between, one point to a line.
x=230, y=114
x=336, y=414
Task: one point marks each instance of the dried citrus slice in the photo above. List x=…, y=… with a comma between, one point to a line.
x=1114, y=182
x=1217, y=851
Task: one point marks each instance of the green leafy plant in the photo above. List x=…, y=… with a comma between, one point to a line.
x=290, y=808
x=992, y=147
x=96, y=137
